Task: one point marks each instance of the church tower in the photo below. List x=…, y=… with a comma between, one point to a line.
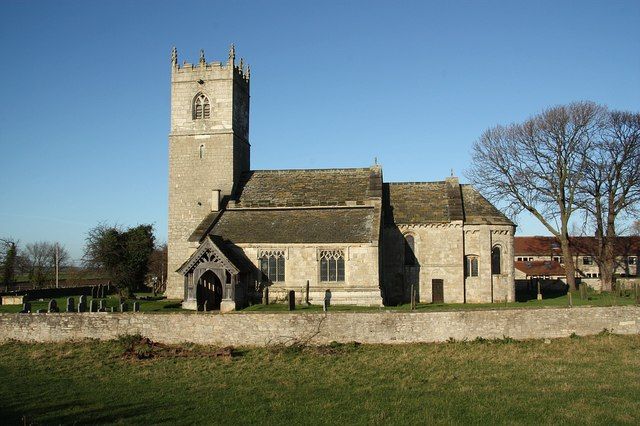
x=208, y=148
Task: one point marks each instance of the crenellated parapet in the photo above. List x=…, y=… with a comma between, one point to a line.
x=215, y=69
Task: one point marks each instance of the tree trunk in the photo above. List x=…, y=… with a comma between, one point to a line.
x=569, y=266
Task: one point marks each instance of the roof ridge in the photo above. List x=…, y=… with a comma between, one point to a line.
x=308, y=170
x=416, y=183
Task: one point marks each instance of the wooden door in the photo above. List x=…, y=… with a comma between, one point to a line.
x=437, y=291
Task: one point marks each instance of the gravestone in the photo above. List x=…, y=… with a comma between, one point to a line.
x=292, y=300
x=205, y=306
x=265, y=295
x=306, y=294
x=26, y=308
x=113, y=309
x=123, y=307
x=93, y=305
x=327, y=300
x=101, y=291
x=102, y=305
x=70, y=304
x=53, y=306
x=136, y=307
x=82, y=304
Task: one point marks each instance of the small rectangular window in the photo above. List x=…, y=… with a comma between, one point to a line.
x=586, y=260
x=632, y=260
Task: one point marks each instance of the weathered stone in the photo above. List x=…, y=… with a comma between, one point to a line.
x=292, y=300
x=136, y=307
x=123, y=307
x=93, y=305
x=265, y=295
x=253, y=329
x=82, y=304
x=70, y=304
x=26, y=308
x=53, y=306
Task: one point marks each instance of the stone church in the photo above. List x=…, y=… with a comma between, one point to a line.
x=234, y=231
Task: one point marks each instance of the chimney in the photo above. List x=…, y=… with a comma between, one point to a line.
x=215, y=200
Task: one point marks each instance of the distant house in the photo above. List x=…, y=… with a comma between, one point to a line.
x=541, y=257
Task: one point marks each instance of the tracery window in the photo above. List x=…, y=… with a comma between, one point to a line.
x=496, y=261
x=410, y=251
x=332, y=265
x=272, y=265
x=201, y=107
x=471, y=266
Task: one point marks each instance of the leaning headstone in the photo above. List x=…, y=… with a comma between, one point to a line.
x=123, y=307
x=136, y=307
x=82, y=304
x=292, y=300
x=41, y=311
x=327, y=300
x=70, y=304
x=26, y=308
x=53, y=306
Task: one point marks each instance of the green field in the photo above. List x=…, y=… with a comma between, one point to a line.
x=594, y=380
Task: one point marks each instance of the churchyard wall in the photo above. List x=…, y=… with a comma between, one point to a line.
x=260, y=329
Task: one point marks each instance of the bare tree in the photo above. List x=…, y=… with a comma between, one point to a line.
x=40, y=260
x=158, y=268
x=538, y=165
x=611, y=186
x=8, y=261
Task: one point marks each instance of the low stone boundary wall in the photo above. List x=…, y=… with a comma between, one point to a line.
x=258, y=329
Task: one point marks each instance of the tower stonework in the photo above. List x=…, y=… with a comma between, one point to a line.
x=208, y=149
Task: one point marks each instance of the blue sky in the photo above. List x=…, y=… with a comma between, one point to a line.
x=84, y=86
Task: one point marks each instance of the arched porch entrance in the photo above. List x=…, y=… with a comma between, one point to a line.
x=209, y=276
x=209, y=291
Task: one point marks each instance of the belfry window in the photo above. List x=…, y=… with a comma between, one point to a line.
x=332, y=265
x=201, y=107
x=471, y=266
x=496, y=261
x=272, y=265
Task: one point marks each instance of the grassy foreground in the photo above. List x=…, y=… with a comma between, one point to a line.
x=592, y=380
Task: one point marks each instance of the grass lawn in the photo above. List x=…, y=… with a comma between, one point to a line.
x=594, y=380
x=592, y=299
x=157, y=305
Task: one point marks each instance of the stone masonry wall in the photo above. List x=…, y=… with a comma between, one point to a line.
x=302, y=263
x=259, y=329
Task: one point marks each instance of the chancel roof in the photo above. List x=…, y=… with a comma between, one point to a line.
x=438, y=202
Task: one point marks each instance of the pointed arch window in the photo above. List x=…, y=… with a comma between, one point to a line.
x=201, y=107
x=332, y=265
x=272, y=265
